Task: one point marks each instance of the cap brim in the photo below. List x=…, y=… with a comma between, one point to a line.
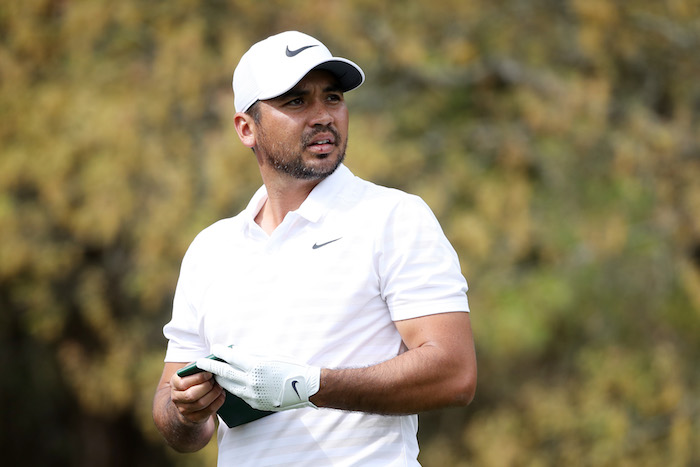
x=349, y=75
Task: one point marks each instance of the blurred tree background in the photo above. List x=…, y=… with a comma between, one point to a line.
x=558, y=142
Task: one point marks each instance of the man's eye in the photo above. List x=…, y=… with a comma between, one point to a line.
x=335, y=97
x=297, y=101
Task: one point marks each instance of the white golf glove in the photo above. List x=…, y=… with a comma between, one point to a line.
x=265, y=383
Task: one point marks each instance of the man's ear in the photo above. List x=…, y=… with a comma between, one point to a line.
x=245, y=126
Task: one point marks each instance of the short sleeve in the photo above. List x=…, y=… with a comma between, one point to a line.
x=185, y=342
x=419, y=269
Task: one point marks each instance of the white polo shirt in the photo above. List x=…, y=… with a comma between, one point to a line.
x=324, y=288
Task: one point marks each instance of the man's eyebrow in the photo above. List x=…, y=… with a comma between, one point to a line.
x=294, y=92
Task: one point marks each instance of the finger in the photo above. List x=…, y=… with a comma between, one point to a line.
x=210, y=405
x=200, y=416
x=182, y=383
x=185, y=382
x=230, y=386
x=236, y=357
x=192, y=394
x=197, y=397
x=224, y=370
x=205, y=401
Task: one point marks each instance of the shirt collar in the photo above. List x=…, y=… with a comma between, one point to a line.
x=322, y=197
x=316, y=204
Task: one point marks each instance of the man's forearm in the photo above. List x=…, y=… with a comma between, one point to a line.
x=180, y=434
x=421, y=379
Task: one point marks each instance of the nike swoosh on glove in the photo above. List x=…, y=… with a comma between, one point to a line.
x=265, y=383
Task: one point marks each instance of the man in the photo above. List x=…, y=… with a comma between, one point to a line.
x=342, y=301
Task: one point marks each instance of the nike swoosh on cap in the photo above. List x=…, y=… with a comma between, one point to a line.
x=294, y=386
x=292, y=53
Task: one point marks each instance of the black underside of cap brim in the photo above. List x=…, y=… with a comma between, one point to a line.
x=348, y=76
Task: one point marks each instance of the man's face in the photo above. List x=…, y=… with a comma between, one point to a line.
x=304, y=132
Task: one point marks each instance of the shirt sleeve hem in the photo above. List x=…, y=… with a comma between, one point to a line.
x=432, y=308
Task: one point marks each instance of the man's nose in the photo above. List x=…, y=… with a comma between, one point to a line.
x=320, y=114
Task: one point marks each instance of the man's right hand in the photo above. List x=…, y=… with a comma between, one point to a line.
x=184, y=408
x=196, y=397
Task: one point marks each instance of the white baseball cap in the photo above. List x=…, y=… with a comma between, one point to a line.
x=273, y=66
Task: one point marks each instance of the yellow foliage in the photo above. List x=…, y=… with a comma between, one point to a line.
x=556, y=142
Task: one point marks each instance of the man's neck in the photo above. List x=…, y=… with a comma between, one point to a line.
x=284, y=194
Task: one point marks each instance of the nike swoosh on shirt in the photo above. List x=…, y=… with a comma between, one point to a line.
x=319, y=245
x=292, y=53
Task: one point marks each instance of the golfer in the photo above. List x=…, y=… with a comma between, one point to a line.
x=335, y=306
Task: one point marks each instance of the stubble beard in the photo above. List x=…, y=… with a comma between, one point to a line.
x=290, y=161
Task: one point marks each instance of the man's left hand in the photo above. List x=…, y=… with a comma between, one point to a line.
x=265, y=383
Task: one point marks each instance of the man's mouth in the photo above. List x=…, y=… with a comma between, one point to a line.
x=322, y=144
